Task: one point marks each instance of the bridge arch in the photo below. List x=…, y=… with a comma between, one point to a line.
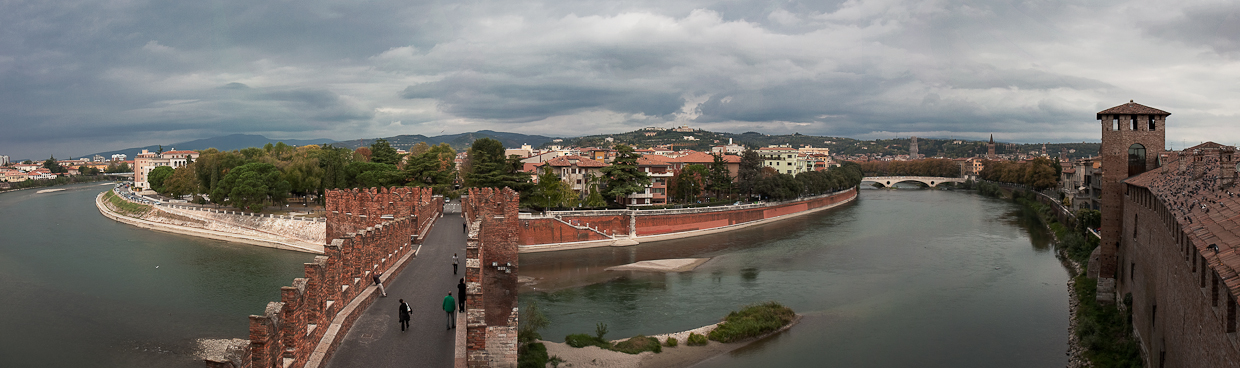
x=932, y=181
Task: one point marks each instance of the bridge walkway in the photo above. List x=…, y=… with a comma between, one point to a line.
x=376, y=339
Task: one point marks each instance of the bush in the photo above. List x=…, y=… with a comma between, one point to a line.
x=752, y=321
x=583, y=340
x=695, y=339
x=638, y=344
x=533, y=356
x=671, y=342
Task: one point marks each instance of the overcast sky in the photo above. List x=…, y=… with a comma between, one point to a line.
x=84, y=76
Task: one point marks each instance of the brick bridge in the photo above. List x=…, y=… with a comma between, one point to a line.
x=380, y=229
x=932, y=181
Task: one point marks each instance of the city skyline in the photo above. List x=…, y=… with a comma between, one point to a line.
x=89, y=77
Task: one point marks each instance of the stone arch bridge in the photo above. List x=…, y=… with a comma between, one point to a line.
x=932, y=181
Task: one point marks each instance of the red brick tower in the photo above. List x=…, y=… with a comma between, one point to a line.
x=1132, y=137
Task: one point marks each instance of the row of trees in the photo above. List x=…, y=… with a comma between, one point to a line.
x=926, y=167
x=1039, y=173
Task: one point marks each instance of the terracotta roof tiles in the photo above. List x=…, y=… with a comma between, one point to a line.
x=1133, y=108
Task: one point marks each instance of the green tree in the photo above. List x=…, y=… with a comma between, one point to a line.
x=623, y=176
x=552, y=192
x=54, y=166
x=249, y=186
x=719, y=182
x=157, y=176
x=689, y=183
x=88, y=170
x=383, y=153
x=749, y=173
x=490, y=169
x=184, y=181
x=434, y=167
x=373, y=175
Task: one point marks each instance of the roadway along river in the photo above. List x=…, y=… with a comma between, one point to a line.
x=80, y=290
x=904, y=278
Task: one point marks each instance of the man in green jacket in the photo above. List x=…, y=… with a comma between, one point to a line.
x=449, y=305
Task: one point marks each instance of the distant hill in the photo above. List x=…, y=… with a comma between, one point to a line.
x=224, y=143
x=459, y=142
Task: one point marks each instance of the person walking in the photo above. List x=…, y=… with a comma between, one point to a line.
x=454, y=263
x=375, y=276
x=404, y=315
x=449, y=305
x=460, y=293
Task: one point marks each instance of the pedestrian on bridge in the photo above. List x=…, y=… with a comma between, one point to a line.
x=449, y=305
x=454, y=263
x=375, y=276
x=460, y=295
x=404, y=315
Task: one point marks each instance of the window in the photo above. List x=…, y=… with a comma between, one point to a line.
x=1114, y=123
x=1132, y=271
x=1136, y=159
x=1134, y=122
x=1151, y=123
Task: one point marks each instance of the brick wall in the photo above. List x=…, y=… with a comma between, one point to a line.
x=1174, y=311
x=534, y=231
x=491, y=308
x=371, y=230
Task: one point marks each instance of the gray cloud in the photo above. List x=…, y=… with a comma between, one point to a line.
x=83, y=76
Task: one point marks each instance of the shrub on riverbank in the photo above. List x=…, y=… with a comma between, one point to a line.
x=533, y=355
x=638, y=344
x=695, y=339
x=583, y=340
x=671, y=342
x=752, y=321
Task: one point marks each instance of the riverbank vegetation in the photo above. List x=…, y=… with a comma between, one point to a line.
x=1105, y=331
x=752, y=321
x=125, y=207
x=940, y=167
x=1039, y=173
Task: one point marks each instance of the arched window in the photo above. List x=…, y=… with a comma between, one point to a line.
x=1136, y=159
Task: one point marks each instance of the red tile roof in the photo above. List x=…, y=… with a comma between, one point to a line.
x=1132, y=108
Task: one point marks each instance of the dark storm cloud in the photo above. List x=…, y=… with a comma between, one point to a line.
x=517, y=100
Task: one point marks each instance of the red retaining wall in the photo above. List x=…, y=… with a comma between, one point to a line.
x=661, y=222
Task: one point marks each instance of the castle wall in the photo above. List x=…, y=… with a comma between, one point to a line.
x=491, y=308
x=1183, y=313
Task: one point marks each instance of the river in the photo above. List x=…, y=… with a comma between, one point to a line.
x=900, y=278
x=80, y=290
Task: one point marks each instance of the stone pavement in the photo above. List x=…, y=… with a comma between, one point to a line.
x=376, y=339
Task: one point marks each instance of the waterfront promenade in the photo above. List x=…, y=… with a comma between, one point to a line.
x=375, y=340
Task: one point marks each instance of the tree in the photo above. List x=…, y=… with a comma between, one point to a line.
x=54, y=166
x=249, y=186
x=551, y=191
x=623, y=176
x=88, y=170
x=719, y=181
x=157, y=176
x=490, y=169
x=749, y=173
x=383, y=153
x=689, y=183
x=435, y=167
x=373, y=175
x=184, y=181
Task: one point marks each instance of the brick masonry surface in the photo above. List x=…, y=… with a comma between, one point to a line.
x=372, y=229
x=491, y=277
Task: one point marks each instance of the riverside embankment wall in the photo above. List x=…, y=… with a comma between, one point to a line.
x=374, y=230
x=560, y=230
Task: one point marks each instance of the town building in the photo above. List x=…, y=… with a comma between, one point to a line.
x=660, y=172
x=730, y=148
x=783, y=158
x=1170, y=247
x=146, y=161
x=4, y=160
x=579, y=172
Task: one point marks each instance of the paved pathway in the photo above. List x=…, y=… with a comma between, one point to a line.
x=376, y=339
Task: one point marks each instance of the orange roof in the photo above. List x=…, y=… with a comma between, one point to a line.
x=1132, y=108
x=652, y=160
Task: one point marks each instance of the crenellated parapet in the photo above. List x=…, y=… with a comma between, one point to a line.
x=491, y=276
x=371, y=230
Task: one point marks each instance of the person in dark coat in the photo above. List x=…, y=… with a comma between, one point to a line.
x=404, y=315
x=460, y=292
x=449, y=305
x=375, y=276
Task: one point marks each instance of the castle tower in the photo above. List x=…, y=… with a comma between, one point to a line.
x=912, y=149
x=990, y=148
x=1132, y=137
